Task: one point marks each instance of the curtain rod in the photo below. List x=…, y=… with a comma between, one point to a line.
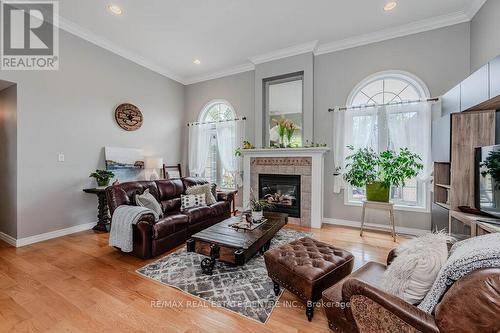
x=215, y=122
x=344, y=108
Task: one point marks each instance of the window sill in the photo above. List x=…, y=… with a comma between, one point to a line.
x=404, y=208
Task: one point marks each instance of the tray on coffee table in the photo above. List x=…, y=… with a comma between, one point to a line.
x=223, y=242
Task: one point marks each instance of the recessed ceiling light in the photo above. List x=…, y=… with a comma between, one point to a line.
x=115, y=9
x=390, y=6
x=196, y=61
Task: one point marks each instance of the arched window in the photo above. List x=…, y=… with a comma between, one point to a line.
x=380, y=118
x=214, y=111
x=386, y=88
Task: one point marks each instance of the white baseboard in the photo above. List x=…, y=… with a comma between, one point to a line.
x=375, y=226
x=45, y=236
x=7, y=239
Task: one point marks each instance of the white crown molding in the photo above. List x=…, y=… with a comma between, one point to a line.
x=386, y=34
x=218, y=74
x=378, y=36
x=285, y=53
x=89, y=36
x=404, y=30
x=474, y=7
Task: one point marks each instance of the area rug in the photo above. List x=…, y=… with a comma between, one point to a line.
x=246, y=290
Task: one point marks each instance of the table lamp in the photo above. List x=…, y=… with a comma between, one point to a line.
x=153, y=163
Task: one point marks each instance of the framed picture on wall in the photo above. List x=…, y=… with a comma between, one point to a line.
x=126, y=163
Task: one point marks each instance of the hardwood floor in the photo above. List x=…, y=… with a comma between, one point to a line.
x=77, y=283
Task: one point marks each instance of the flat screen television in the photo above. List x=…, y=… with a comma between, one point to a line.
x=487, y=179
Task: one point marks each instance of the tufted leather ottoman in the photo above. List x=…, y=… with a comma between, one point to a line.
x=306, y=267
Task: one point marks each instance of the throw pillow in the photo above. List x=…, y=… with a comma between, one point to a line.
x=147, y=200
x=203, y=189
x=192, y=201
x=213, y=188
x=417, y=264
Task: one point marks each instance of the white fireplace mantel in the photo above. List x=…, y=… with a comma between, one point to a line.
x=317, y=174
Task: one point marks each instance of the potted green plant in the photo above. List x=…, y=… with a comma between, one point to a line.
x=491, y=166
x=257, y=206
x=378, y=172
x=102, y=177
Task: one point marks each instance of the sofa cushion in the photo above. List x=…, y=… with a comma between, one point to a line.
x=147, y=200
x=416, y=266
x=220, y=208
x=124, y=193
x=170, y=225
x=169, y=194
x=197, y=214
x=333, y=302
x=203, y=189
x=193, y=181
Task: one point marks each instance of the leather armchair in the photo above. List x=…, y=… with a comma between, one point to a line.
x=471, y=304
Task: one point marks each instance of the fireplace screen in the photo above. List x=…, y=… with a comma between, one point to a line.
x=283, y=191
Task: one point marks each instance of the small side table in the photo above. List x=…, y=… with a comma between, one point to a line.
x=387, y=206
x=231, y=195
x=102, y=208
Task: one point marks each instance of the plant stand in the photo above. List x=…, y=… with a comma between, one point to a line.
x=386, y=206
x=102, y=209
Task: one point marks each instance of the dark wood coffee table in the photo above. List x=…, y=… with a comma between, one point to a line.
x=232, y=246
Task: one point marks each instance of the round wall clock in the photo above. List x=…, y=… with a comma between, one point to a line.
x=128, y=117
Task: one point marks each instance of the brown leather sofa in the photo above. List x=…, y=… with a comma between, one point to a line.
x=356, y=304
x=152, y=238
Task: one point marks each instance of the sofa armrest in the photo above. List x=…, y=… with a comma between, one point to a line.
x=225, y=195
x=399, y=311
x=148, y=218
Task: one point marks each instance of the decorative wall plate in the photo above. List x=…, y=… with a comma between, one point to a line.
x=128, y=117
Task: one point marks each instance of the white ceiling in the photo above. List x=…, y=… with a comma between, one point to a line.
x=167, y=35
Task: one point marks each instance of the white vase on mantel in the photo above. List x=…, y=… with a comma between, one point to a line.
x=257, y=216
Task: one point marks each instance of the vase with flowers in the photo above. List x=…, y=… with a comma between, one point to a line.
x=282, y=128
x=290, y=129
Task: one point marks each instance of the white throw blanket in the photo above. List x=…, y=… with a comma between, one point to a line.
x=121, y=225
x=465, y=256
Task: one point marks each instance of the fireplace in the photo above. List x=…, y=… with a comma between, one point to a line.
x=283, y=191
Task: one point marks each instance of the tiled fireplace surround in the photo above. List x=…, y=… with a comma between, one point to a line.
x=286, y=166
x=306, y=162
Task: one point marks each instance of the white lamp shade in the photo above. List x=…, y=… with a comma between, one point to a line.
x=153, y=163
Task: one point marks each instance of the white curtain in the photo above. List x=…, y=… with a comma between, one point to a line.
x=409, y=126
x=356, y=127
x=229, y=138
x=338, y=149
x=199, y=146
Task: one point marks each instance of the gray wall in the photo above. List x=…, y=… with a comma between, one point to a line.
x=71, y=111
x=237, y=89
x=299, y=63
x=485, y=30
x=439, y=57
x=8, y=159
